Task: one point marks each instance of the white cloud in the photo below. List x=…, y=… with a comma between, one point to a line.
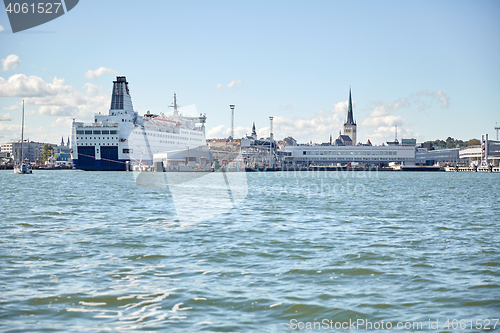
x=316, y=128
x=382, y=114
x=20, y=85
x=444, y=99
x=384, y=118
x=1, y=28
x=231, y=84
x=62, y=122
x=386, y=133
x=10, y=62
x=5, y=116
x=9, y=131
x=56, y=98
x=93, y=74
x=222, y=131
x=218, y=132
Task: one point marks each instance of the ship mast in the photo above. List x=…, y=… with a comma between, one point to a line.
x=22, y=136
x=176, y=112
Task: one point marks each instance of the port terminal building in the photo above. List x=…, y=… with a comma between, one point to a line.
x=449, y=156
x=487, y=153
x=333, y=155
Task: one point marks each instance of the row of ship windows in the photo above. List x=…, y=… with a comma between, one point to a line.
x=96, y=132
x=163, y=136
x=97, y=144
x=98, y=138
x=192, y=133
x=348, y=152
x=166, y=136
x=360, y=158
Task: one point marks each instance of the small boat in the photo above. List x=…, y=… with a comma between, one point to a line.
x=22, y=167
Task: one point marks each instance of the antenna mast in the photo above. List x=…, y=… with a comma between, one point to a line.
x=497, y=129
x=176, y=112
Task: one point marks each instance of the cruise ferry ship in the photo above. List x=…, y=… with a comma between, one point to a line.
x=123, y=136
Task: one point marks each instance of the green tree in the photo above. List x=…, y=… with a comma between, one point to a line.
x=473, y=142
x=47, y=151
x=450, y=142
x=460, y=143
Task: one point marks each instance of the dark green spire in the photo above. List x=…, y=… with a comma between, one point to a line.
x=350, y=118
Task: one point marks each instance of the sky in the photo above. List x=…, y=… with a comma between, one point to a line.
x=431, y=68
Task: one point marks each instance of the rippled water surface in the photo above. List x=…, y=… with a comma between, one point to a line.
x=92, y=251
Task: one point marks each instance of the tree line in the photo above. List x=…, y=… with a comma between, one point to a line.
x=453, y=143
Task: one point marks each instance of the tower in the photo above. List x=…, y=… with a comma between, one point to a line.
x=254, y=133
x=231, y=106
x=350, y=124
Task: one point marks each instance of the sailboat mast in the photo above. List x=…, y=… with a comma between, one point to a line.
x=22, y=137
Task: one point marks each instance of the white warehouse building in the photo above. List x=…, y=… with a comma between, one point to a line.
x=327, y=155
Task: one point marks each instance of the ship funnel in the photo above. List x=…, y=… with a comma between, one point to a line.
x=120, y=98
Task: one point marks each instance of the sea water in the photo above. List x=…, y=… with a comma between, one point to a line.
x=98, y=251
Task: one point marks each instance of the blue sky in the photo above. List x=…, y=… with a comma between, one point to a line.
x=430, y=67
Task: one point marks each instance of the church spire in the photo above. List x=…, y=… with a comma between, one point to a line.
x=350, y=118
x=254, y=133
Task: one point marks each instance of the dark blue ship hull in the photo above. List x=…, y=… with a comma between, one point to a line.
x=109, y=159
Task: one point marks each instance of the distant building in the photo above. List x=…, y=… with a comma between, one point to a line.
x=427, y=145
x=350, y=127
x=367, y=144
x=223, y=144
x=327, y=155
x=290, y=141
x=61, y=149
x=343, y=140
x=409, y=142
x=487, y=153
x=63, y=157
x=31, y=150
x=424, y=156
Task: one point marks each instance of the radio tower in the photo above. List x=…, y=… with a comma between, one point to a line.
x=232, y=121
x=497, y=129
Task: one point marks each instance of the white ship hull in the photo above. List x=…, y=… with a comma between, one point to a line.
x=123, y=136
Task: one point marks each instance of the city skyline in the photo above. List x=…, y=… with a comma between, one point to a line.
x=431, y=69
